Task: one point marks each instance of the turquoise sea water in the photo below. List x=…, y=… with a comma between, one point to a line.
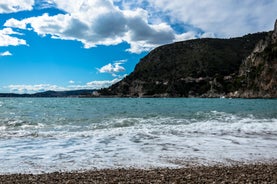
x=52, y=134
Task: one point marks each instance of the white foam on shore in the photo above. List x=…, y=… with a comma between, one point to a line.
x=221, y=124
x=206, y=138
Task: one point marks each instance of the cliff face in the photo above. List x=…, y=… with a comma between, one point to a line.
x=237, y=67
x=259, y=71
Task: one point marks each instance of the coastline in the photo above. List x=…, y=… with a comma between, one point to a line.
x=91, y=93
x=244, y=173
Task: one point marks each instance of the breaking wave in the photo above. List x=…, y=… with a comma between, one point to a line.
x=69, y=134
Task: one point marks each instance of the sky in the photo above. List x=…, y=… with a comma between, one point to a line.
x=91, y=44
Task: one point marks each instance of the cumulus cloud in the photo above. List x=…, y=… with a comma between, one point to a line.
x=7, y=38
x=6, y=53
x=226, y=18
x=146, y=24
x=10, y=6
x=99, y=22
x=112, y=68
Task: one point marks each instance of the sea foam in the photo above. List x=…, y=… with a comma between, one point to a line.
x=75, y=134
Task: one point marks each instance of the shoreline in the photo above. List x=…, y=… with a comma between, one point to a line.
x=136, y=97
x=241, y=173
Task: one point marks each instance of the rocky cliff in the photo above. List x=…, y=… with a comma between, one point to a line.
x=236, y=67
x=258, y=73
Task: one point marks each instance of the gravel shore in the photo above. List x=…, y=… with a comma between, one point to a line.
x=254, y=173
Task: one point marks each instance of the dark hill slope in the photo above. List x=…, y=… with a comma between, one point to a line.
x=201, y=67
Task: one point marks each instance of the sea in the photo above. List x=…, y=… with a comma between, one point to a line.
x=41, y=135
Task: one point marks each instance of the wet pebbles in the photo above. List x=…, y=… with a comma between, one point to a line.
x=254, y=173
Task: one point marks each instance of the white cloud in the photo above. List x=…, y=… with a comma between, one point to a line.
x=6, y=53
x=99, y=22
x=186, y=36
x=7, y=38
x=34, y=88
x=97, y=84
x=226, y=18
x=10, y=6
x=71, y=82
x=112, y=68
x=146, y=24
x=102, y=84
x=15, y=23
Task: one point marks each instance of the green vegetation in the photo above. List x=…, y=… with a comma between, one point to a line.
x=200, y=67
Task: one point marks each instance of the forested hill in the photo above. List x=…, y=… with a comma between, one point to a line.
x=207, y=67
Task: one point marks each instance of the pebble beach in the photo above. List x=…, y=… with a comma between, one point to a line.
x=250, y=173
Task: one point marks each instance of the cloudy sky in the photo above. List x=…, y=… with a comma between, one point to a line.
x=88, y=44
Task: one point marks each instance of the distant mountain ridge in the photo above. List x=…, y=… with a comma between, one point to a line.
x=203, y=68
x=73, y=93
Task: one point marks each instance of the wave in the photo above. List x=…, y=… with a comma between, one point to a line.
x=205, y=123
x=144, y=142
x=215, y=123
x=47, y=135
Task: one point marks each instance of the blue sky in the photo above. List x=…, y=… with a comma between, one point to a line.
x=90, y=44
